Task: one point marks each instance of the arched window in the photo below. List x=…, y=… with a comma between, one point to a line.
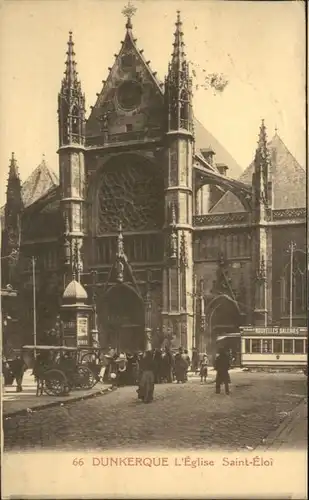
x=295, y=290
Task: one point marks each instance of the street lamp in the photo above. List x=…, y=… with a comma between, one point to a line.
x=34, y=304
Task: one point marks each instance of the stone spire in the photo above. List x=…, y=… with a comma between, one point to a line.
x=178, y=85
x=14, y=185
x=12, y=224
x=178, y=55
x=13, y=168
x=262, y=166
x=71, y=103
x=70, y=79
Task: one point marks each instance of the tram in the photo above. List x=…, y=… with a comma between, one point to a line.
x=274, y=346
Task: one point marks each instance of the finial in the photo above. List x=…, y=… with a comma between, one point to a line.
x=13, y=168
x=129, y=11
x=120, y=249
x=276, y=130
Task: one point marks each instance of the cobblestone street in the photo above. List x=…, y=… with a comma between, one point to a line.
x=181, y=416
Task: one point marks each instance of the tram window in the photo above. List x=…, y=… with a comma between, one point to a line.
x=247, y=345
x=266, y=346
x=299, y=346
x=288, y=346
x=278, y=346
x=256, y=345
x=306, y=346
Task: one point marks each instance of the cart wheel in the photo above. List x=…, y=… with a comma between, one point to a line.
x=85, y=379
x=55, y=383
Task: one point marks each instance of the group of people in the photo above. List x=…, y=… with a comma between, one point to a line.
x=144, y=369
x=159, y=366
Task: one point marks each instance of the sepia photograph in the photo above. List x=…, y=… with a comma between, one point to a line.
x=153, y=208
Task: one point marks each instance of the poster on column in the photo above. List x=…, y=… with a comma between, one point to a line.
x=195, y=145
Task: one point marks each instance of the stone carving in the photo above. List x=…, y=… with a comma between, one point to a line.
x=183, y=164
x=183, y=250
x=173, y=166
x=223, y=283
x=132, y=193
x=75, y=175
x=290, y=213
x=221, y=219
x=76, y=217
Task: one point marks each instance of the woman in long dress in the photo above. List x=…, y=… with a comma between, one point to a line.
x=181, y=366
x=146, y=385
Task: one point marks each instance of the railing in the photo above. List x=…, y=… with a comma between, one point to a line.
x=289, y=213
x=221, y=219
x=140, y=135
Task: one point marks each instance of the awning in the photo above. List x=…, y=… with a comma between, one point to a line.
x=229, y=335
x=8, y=293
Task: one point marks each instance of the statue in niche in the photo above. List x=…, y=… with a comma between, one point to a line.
x=173, y=254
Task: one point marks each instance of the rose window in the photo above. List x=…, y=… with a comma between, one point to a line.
x=130, y=193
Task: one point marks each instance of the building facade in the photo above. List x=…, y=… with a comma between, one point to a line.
x=150, y=213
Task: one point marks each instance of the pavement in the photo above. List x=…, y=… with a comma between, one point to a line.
x=263, y=411
x=18, y=403
x=292, y=434
x=26, y=401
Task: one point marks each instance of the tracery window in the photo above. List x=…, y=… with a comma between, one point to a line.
x=295, y=290
x=132, y=193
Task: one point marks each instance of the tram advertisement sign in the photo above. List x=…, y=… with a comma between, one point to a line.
x=82, y=330
x=273, y=330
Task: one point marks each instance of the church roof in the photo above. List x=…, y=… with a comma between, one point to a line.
x=204, y=139
x=38, y=184
x=288, y=177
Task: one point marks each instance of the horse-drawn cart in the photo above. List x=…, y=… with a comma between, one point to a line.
x=60, y=369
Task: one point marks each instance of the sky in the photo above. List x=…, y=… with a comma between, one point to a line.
x=258, y=46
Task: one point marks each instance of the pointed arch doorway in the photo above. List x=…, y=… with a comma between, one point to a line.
x=223, y=319
x=122, y=319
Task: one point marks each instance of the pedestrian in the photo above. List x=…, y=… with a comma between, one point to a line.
x=157, y=360
x=222, y=366
x=146, y=384
x=181, y=366
x=204, y=368
x=122, y=364
x=18, y=368
x=188, y=360
x=167, y=366
x=195, y=360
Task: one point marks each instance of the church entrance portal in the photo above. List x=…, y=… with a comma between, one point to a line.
x=122, y=320
x=224, y=319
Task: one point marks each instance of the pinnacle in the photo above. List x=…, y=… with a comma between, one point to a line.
x=13, y=168
x=262, y=153
x=70, y=78
x=178, y=56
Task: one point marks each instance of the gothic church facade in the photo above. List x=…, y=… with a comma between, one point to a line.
x=151, y=216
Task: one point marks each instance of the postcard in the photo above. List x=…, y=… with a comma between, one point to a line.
x=153, y=249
